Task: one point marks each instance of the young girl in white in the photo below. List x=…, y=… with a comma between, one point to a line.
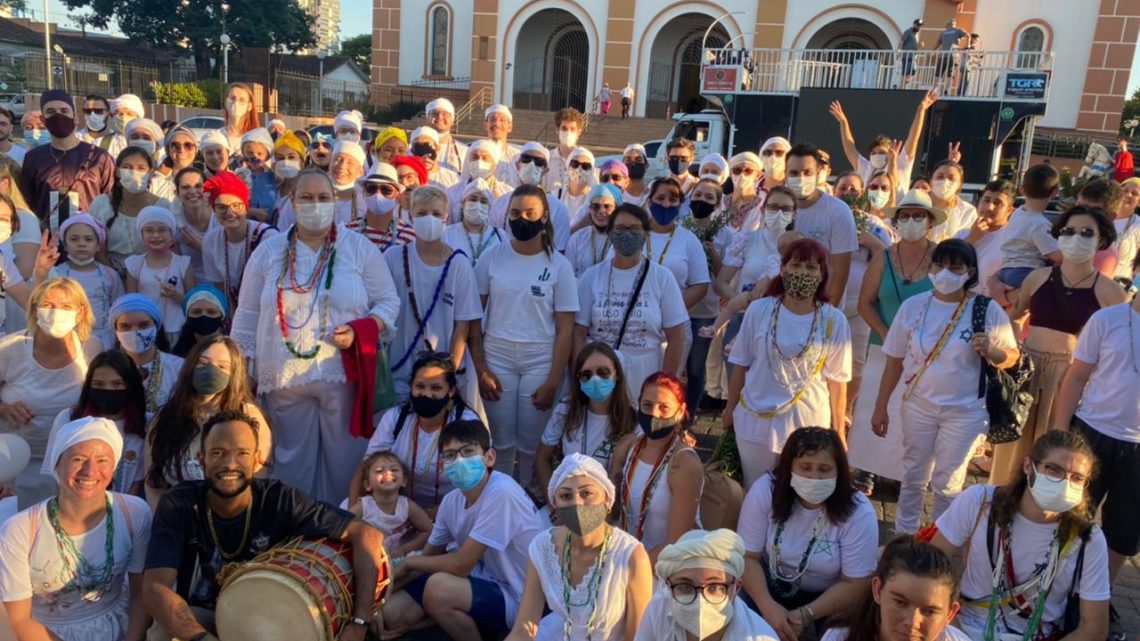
x=83, y=237
x=382, y=505
x=160, y=274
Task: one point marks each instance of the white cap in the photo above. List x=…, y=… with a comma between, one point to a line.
x=214, y=138
x=351, y=118
x=487, y=146
x=128, y=101
x=634, y=147
x=424, y=132
x=146, y=124
x=352, y=149
x=260, y=136
x=776, y=141
x=498, y=109
x=277, y=121
x=535, y=149
x=581, y=154
x=442, y=104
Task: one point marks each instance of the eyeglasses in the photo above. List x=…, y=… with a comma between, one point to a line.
x=385, y=190
x=221, y=208
x=911, y=215
x=409, y=179
x=714, y=593
x=182, y=146
x=954, y=269
x=747, y=171
x=776, y=209
x=585, y=166
x=98, y=111
x=602, y=372
x=612, y=177
x=1085, y=232
x=601, y=207
x=1058, y=473
x=467, y=451
x=538, y=161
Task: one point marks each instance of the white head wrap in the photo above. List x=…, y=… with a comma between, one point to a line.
x=214, y=139
x=635, y=147
x=424, y=132
x=717, y=161
x=498, y=109
x=581, y=154
x=14, y=456
x=717, y=550
x=442, y=104
x=260, y=136
x=155, y=214
x=776, y=141
x=88, y=428
x=747, y=157
x=351, y=118
x=478, y=186
x=535, y=149
x=352, y=149
x=277, y=121
x=147, y=125
x=128, y=101
x=487, y=146
x=581, y=465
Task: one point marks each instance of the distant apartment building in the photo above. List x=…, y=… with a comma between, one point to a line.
x=326, y=25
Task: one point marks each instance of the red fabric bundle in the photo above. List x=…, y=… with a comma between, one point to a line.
x=360, y=368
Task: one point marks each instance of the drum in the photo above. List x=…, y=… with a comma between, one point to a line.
x=301, y=590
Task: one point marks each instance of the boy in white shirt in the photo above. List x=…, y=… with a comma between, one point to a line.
x=1029, y=243
x=492, y=521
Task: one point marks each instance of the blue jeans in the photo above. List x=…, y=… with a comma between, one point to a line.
x=698, y=353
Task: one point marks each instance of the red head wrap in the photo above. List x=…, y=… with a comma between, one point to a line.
x=226, y=183
x=415, y=163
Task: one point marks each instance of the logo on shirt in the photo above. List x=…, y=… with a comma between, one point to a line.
x=544, y=276
x=537, y=291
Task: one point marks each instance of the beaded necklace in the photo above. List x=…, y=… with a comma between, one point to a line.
x=232, y=288
x=937, y=349
x=154, y=382
x=476, y=253
x=774, y=567
x=776, y=356
x=665, y=250
x=592, y=588
x=594, y=246
x=1043, y=581
x=92, y=582
x=325, y=263
x=660, y=464
x=415, y=455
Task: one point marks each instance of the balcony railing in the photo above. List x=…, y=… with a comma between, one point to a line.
x=966, y=74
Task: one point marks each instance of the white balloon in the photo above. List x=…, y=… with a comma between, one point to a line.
x=14, y=456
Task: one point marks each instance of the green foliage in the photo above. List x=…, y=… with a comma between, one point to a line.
x=212, y=89
x=183, y=94
x=359, y=50
x=14, y=5
x=1131, y=110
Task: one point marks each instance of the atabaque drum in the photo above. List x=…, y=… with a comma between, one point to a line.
x=301, y=590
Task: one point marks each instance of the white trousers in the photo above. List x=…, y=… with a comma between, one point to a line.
x=937, y=444
x=313, y=450
x=756, y=460
x=516, y=425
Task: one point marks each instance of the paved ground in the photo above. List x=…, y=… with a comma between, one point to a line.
x=1126, y=592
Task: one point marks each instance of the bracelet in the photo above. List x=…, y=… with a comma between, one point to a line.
x=808, y=614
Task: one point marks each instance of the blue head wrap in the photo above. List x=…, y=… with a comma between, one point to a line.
x=134, y=303
x=207, y=292
x=607, y=190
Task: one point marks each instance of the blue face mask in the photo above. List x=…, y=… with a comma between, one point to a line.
x=664, y=215
x=597, y=388
x=466, y=472
x=35, y=137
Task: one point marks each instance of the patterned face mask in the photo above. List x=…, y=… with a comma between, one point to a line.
x=801, y=286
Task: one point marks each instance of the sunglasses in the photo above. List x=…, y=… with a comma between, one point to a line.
x=612, y=177
x=602, y=372
x=574, y=164
x=1085, y=232
x=538, y=161
x=683, y=159
x=912, y=215
x=182, y=146
x=385, y=190
x=96, y=111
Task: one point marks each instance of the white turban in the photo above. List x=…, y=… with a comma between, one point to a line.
x=155, y=214
x=442, y=104
x=351, y=118
x=535, y=149
x=88, y=428
x=147, y=125
x=128, y=101
x=717, y=550
x=581, y=465
x=477, y=186
x=14, y=456
x=747, y=157
x=634, y=147
x=581, y=154
x=776, y=141
x=260, y=136
x=717, y=161
x=487, y=146
x=214, y=139
x=424, y=132
x=352, y=149
x=498, y=109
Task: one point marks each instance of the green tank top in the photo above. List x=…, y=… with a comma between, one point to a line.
x=893, y=290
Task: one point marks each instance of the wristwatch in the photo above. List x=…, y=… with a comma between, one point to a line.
x=358, y=621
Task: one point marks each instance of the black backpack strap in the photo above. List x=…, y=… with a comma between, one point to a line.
x=1080, y=564
x=978, y=318
x=991, y=526
x=632, y=303
x=400, y=418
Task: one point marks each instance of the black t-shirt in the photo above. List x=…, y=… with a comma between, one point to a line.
x=180, y=536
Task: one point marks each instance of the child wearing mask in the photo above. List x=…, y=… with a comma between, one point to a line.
x=83, y=237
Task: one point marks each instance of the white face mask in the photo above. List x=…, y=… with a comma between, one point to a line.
x=878, y=198
x=913, y=229
x=237, y=109
x=5, y=231
x=119, y=123
x=530, y=173
x=428, y=228
x=778, y=222
x=708, y=175
x=1055, y=496
x=802, y=186
x=133, y=180
x=578, y=176
x=701, y=618
x=567, y=138
x=742, y=184
x=287, y=168
x=95, y=122
x=138, y=341
x=1076, y=248
x=380, y=203
x=944, y=189
x=878, y=161
x=142, y=143
x=57, y=323
x=814, y=491
x=315, y=217
x=350, y=136
x=80, y=263
x=475, y=212
x=479, y=169
x=773, y=165
x=947, y=282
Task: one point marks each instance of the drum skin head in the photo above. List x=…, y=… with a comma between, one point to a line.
x=265, y=605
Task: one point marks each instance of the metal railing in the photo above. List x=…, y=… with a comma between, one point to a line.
x=443, y=83
x=303, y=95
x=474, y=105
x=81, y=75
x=971, y=74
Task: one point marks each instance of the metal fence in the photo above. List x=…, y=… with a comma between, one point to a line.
x=80, y=75
x=303, y=95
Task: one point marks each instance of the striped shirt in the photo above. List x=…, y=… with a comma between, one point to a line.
x=382, y=238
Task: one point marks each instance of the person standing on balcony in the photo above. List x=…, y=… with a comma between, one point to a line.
x=881, y=147
x=441, y=116
x=947, y=42
x=626, y=101
x=971, y=62
x=908, y=45
x=1123, y=162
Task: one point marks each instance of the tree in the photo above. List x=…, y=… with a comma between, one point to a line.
x=195, y=26
x=359, y=50
x=1131, y=110
x=16, y=6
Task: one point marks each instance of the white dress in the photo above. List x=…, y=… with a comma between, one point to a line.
x=606, y=594
x=31, y=568
x=392, y=526
x=150, y=281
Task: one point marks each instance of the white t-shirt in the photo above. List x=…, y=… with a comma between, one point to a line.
x=122, y=236
x=951, y=380
x=524, y=292
x=474, y=245
x=1028, y=240
x=764, y=390
x=1127, y=243
x=587, y=247
x=458, y=301
x=755, y=254
x=961, y=216
x=1110, y=403
x=589, y=436
x=103, y=287
x=150, y=281
x=831, y=222
x=184, y=248
x=1029, y=545
x=559, y=217
x=847, y=549
x=905, y=166
x=505, y=520
x=9, y=276
x=214, y=252
x=709, y=306
x=949, y=633
x=988, y=248
x=681, y=253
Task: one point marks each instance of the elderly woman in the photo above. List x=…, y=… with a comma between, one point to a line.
x=474, y=233
x=595, y=578
x=589, y=246
x=42, y=370
x=240, y=112
x=227, y=247
x=137, y=323
x=482, y=156
x=307, y=296
x=207, y=314
x=35, y=131
x=389, y=143
x=71, y=566
x=702, y=572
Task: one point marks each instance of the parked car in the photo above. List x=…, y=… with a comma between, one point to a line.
x=366, y=136
x=202, y=125
x=13, y=102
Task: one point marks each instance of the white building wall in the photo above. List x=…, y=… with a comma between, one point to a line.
x=414, y=39
x=805, y=17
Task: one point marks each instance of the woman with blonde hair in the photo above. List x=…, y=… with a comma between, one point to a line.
x=42, y=370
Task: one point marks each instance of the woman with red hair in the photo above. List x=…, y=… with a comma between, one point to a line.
x=659, y=474
x=240, y=111
x=793, y=354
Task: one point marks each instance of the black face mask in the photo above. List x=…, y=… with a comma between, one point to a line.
x=701, y=209
x=656, y=428
x=523, y=229
x=427, y=407
x=422, y=149
x=204, y=325
x=60, y=125
x=108, y=401
x=636, y=170
x=676, y=167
